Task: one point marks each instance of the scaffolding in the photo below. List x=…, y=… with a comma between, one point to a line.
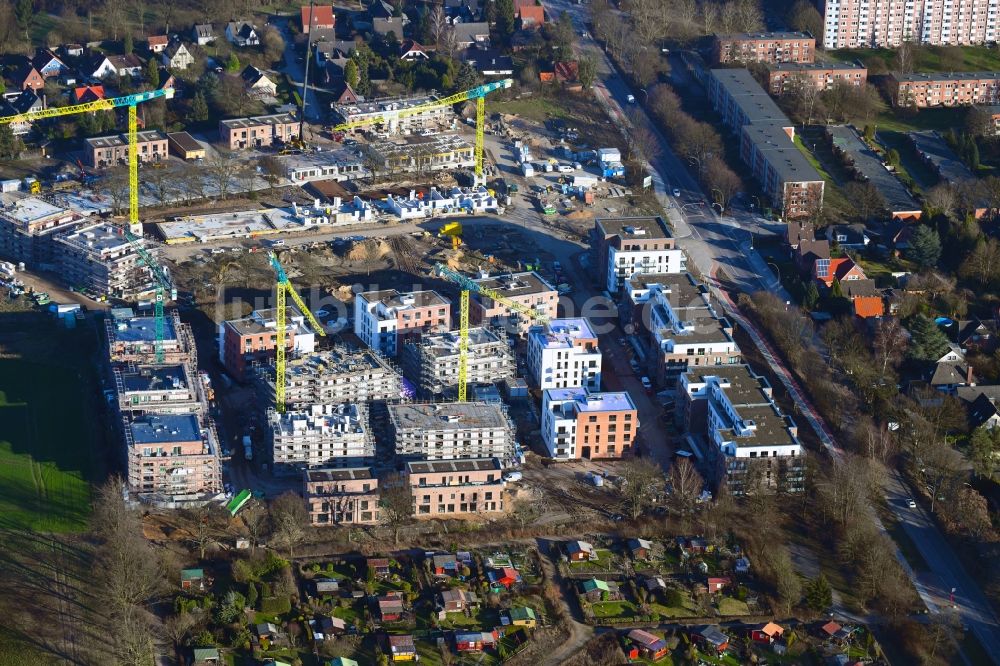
x=433, y=362
x=320, y=436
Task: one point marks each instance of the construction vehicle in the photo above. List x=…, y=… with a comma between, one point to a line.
x=163, y=283
x=283, y=288
x=478, y=93
x=468, y=286
x=452, y=230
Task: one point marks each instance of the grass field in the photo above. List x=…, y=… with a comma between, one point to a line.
x=928, y=58
x=46, y=444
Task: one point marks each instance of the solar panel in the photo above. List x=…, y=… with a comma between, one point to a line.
x=822, y=267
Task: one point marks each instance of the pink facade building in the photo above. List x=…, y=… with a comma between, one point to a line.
x=923, y=90
x=767, y=47
x=453, y=488
x=342, y=496
x=787, y=77
x=878, y=23
x=174, y=456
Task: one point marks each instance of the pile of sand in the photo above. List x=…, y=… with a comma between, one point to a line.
x=369, y=249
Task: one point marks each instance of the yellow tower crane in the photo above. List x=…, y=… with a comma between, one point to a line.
x=467, y=286
x=478, y=93
x=283, y=287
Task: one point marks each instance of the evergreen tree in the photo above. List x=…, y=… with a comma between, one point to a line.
x=351, y=73
x=24, y=14
x=3, y=86
x=984, y=445
x=199, y=108
x=811, y=296
x=973, y=154
x=925, y=246
x=153, y=73
x=10, y=144
x=928, y=342
x=836, y=290
x=127, y=45
x=819, y=595
x=233, y=64
x=505, y=19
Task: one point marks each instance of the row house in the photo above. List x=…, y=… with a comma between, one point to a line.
x=109, y=151
x=259, y=131
x=342, y=496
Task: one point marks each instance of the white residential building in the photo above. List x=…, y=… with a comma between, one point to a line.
x=564, y=353
x=630, y=245
x=383, y=320
x=320, y=436
x=451, y=430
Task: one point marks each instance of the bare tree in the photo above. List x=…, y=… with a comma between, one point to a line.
x=905, y=57
x=133, y=638
x=723, y=181
x=640, y=483
x=685, y=488
x=289, y=521
x=207, y=525
x=116, y=188
x=396, y=503
x=221, y=170
x=255, y=519
x=272, y=170
x=438, y=23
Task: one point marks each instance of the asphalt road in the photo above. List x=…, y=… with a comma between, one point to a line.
x=717, y=244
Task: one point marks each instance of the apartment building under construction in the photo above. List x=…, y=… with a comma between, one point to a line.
x=451, y=430
x=333, y=376
x=99, y=260
x=131, y=338
x=320, y=436
x=432, y=362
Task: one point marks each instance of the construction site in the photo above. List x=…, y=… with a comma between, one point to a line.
x=432, y=363
x=451, y=430
x=320, y=435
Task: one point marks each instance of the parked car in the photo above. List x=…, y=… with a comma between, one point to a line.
x=910, y=502
x=677, y=192
x=513, y=476
x=646, y=384
x=634, y=364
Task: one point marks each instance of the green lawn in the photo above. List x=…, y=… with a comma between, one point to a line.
x=532, y=108
x=729, y=606
x=928, y=58
x=613, y=609
x=46, y=442
x=686, y=609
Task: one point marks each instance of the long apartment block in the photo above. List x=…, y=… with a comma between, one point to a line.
x=888, y=23
x=785, y=78
x=766, y=142
x=320, y=436
x=565, y=353
x=341, y=496
x=385, y=319
x=740, y=437
x=172, y=457
x=432, y=363
x=577, y=423
x=930, y=89
x=625, y=246
x=527, y=288
x=334, y=376
x=767, y=47
x=451, y=430
x=456, y=488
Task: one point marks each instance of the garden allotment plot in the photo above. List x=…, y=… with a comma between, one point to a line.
x=46, y=444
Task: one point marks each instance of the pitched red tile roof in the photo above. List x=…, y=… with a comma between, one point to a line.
x=567, y=71
x=157, y=40
x=868, y=306
x=322, y=16
x=88, y=93
x=532, y=13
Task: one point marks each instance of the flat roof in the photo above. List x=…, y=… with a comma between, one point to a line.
x=516, y=284
x=463, y=465
x=31, y=209
x=442, y=143
x=257, y=121
x=114, y=140
x=395, y=299
x=868, y=164
x=946, y=76
x=770, y=428
x=447, y=343
x=345, y=474
x=932, y=146
x=562, y=332
x=142, y=329
x=155, y=378
x=257, y=321
x=598, y=401
x=97, y=237
x=765, y=35
x=781, y=153
x=744, y=386
x=165, y=429
x=634, y=227
x=336, y=361
x=754, y=102
x=681, y=291
x=706, y=328
x=384, y=105
x=447, y=416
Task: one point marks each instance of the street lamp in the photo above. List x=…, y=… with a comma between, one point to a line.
x=645, y=96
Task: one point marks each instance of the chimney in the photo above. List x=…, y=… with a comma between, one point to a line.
x=970, y=378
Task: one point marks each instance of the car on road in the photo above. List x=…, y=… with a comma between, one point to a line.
x=322, y=313
x=513, y=476
x=634, y=364
x=910, y=502
x=677, y=192
x=565, y=168
x=630, y=99
x=278, y=243
x=646, y=384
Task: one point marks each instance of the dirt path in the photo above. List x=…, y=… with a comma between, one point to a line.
x=579, y=633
